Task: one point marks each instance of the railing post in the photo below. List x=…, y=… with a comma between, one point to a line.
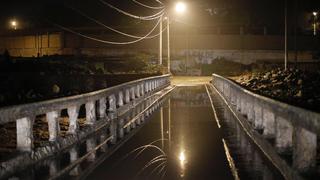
x=120, y=99
x=73, y=113
x=127, y=96
x=102, y=108
x=137, y=91
x=228, y=92
x=304, y=150
x=142, y=89
x=238, y=102
x=133, y=96
x=25, y=134
x=225, y=91
x=153, y=85
x=53, y=125
x=257, y=115
x=250, y=107
x=233, y=96
x=112, y=103
x=243, y=102
x=145, y=87
x=150, y=86
x=284, y=133
x=90, y=113
x=268, y=123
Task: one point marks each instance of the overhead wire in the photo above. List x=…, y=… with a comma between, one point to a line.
x=147, y=6
x=108, y=27
x=106, y=41
x=146, y=18
x=159, y=2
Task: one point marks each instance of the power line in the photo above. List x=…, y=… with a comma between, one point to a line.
x=146, y=18
x=147, y=6
x=105, y=41
x=159, y=1
x=108, y=27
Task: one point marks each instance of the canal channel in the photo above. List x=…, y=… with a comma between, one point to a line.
x=183, y=140
x=183, y=135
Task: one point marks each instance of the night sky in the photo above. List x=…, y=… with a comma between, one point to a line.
x=34, y=14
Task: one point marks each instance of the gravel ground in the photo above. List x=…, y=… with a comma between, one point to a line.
x=293, y=86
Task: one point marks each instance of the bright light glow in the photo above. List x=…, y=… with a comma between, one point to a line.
x=13, y=23
x=181, y=7
x=315, y=13
x=182, y=157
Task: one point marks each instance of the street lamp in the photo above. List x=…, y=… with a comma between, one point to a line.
x=315, y=22
x=14, y=24
x=180, y=8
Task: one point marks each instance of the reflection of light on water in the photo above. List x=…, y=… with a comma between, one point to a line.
x=182, y=160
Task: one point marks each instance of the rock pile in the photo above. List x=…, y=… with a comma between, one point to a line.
x=292, y=86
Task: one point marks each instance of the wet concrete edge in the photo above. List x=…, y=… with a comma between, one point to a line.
x=260, y=142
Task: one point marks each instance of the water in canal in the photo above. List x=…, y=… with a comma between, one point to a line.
x=182, y=140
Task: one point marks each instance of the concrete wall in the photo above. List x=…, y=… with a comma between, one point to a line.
x=202, y=48
x=206, y=56
x=32, y=45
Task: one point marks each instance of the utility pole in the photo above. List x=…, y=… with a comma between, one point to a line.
x=160, y=42
x=285, y=36
x=168, y=41
x=295, y=32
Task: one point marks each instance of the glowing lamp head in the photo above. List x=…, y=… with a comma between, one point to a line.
x=315, y=13
x=181, y=7
x=13, y=23
x=182, y=157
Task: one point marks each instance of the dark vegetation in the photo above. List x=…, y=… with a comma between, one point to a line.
x=25, y=80
x=294, y=86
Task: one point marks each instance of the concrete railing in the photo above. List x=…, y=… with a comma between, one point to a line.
x=294, y=129
x=98, y=105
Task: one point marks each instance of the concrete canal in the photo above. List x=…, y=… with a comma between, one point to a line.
x=186, y=132
x=183, y=140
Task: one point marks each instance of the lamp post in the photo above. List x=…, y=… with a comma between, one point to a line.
x=285, y=36
x=168, y=43
x=315, y=22
x=180, y=8
x=160, y=42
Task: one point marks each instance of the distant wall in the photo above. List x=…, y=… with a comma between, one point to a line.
x=28, y=46
x=194, y=47
x=242, y=56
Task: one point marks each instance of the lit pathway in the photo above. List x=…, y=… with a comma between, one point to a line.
x=190, y=80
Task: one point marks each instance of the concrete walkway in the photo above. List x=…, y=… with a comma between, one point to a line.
x=190, y=80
